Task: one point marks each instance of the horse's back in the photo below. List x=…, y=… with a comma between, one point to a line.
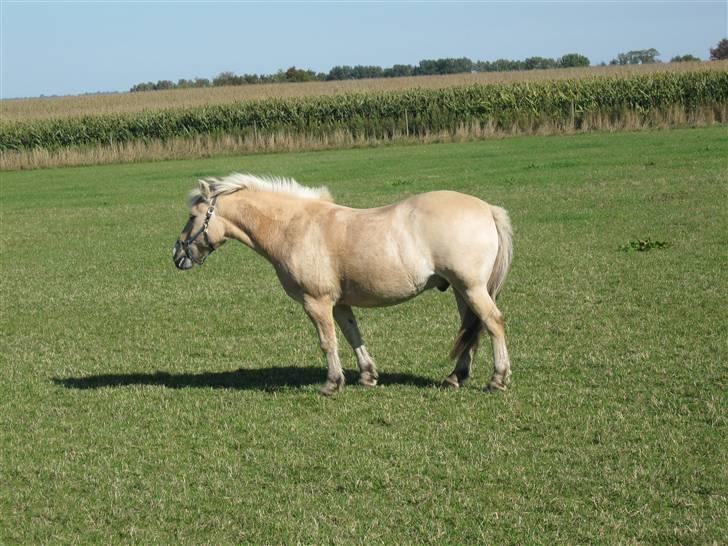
x=445, y=200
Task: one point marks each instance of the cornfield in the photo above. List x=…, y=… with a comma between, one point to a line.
x=383, y=115
x=126, y=103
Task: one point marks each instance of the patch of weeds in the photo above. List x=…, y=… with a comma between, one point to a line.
x=669, y=196
x=397, y=182
x=643, y=245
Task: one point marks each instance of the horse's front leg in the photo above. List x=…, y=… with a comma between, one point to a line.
x=345, y=319
x=320, y=311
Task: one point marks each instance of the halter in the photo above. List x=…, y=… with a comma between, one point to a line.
x=202, y=231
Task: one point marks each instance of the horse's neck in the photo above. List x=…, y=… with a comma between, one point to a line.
x=259, y=219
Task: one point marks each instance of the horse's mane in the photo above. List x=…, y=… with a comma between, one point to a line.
x=212, y=187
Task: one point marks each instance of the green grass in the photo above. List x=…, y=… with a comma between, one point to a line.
x=141, y=404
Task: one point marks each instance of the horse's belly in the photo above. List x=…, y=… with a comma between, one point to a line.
x=385, y=264
x=364, y=298
x=391, y=292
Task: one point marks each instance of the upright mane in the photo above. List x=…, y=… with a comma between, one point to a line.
x=212, y=187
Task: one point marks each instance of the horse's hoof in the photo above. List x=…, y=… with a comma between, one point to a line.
x=450, y=382
x=495, y=386
x=332, y=387
x=368, y=379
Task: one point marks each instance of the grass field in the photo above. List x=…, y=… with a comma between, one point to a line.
x=144, y=405
x=105, y=103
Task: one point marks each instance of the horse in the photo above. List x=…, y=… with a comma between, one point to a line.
x=330, y=258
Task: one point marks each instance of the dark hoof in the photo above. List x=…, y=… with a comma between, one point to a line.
x=495, y=386
x=332, y=387
x=450, y=382
x=368, y=379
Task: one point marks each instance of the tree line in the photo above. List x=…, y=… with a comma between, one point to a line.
x=426, y=67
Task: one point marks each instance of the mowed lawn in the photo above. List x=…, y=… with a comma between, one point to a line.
x=142, y=404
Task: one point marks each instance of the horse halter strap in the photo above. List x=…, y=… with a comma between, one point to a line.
x=202, y=231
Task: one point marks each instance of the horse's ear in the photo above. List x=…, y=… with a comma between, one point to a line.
x=204, y=189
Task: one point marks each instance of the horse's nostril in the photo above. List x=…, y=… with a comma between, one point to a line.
x=183, y=263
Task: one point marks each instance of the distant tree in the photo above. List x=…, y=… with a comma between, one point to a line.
x=278, y=77
x=429, y=67
x=443, y=66
x=621, y=59
x=459, y=66
x=573, y=60
x=533, y=63
x=361, y=72
x=148, y=86
x=294, y=74
x=340, y=73
x=398, y=71
x=639, y=56
x=426, y=67
x=482, y=66
x=720, y=51
x=227, y=78
x=683, y=58
x=504, y=65
x=649, y=56
x=164, y=84
x=251, y=78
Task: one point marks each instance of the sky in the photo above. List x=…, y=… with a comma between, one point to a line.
x=71, y=47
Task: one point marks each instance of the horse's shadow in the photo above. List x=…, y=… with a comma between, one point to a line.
x=265, y=379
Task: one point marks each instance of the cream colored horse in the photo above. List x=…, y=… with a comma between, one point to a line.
x=329, y=258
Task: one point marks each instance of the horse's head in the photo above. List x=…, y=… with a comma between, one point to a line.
x=203, y=233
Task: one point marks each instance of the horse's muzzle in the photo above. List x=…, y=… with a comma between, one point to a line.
x=183, y=263
x=180, y=258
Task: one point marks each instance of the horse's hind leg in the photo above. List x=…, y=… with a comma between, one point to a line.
x=320, y=313
x=466, y=344
x=483, y=305
x=345, y=318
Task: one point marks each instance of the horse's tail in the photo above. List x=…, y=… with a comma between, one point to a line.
x=472, y=326
x=505, y=251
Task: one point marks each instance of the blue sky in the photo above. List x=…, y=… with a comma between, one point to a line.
x=59, y=48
